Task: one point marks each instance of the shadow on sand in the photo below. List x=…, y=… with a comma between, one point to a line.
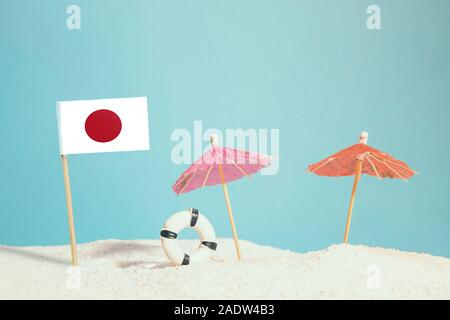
x=26, y=253
x=132, y=250
x=102, y=250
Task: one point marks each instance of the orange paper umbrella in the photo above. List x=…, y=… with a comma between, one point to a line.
x=357, y=159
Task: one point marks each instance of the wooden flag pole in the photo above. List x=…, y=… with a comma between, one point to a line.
x=73, y=241
x=352, y=199
x=230, y=211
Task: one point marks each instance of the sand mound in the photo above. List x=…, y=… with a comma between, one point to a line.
x=115, y=269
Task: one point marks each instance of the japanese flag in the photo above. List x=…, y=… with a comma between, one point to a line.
x=106, y=125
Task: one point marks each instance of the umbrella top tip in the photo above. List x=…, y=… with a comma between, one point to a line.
x=214, y=139
x=363, y=137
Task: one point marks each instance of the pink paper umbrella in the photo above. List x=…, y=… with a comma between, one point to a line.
x=218, y=166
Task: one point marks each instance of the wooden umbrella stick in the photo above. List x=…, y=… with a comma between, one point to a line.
x=230, y=212
x=73, y=241
x=358, y=170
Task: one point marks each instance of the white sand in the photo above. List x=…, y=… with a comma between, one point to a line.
x=116, y=269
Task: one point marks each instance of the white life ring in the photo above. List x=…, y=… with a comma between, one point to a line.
x=185, y=219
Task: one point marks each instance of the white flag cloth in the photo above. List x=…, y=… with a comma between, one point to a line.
x=106, y=125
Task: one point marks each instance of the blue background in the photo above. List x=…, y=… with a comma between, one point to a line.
x=310, y=68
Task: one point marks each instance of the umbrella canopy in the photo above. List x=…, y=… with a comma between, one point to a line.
x=361, y=159
x=205, y=171
x=220, y=165
x=374, y=163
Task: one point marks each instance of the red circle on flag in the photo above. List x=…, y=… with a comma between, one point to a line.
x=103, y=125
